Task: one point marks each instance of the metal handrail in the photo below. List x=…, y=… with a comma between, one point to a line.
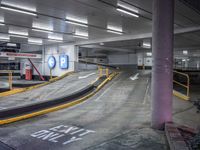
x=101, y=69
x=10, y=78
x=187, y=86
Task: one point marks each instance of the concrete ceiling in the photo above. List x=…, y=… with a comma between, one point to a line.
x=99, y=13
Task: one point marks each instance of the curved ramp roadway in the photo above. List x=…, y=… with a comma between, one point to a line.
x=115, y=118
x=65, y=86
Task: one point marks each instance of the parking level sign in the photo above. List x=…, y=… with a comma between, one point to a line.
x=64, y=61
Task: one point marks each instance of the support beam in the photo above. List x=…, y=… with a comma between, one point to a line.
x=162, y=71
x=107, y=48
x=136, y=36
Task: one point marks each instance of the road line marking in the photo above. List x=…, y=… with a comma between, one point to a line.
x=102, y=94
x=135, y=77
x=146, y=92
x=86, y=76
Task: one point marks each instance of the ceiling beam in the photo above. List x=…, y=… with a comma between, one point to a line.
x=107, y=48
x=135, y=36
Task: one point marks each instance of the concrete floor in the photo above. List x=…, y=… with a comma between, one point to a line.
x=57, y=89
x=116, y=118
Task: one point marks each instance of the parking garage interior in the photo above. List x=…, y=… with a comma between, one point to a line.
x=99, y=75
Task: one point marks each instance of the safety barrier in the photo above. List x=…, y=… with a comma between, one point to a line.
x=90, y=91
x=185, y=86
x=103, y=71
x=9, y=77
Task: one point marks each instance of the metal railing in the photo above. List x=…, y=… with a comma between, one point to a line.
x=103, y=71
x=186, y=86
x=10, y=78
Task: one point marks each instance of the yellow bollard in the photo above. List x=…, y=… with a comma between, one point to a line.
x=107, y=72
x=10, y=79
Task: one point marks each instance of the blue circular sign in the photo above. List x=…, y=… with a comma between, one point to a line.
x=51, y=62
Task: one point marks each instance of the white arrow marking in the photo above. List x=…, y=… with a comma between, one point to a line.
x=135, y=77
x=86, y=76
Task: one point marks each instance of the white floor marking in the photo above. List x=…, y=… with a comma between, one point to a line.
x=102, y=94
x=86, y=76
x=146, y=92
x=62, y=134
x=135, y=77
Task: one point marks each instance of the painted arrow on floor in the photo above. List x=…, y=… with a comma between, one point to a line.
x=135, y=77
x=86, y=76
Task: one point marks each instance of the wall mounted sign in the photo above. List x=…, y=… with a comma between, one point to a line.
x=64, y=61
x=51, y=62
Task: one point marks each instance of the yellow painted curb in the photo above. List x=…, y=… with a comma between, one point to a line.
x=45, y=111
x=20, y=90
x=180, y=95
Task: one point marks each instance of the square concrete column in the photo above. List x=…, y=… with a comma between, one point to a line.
x=162, y=71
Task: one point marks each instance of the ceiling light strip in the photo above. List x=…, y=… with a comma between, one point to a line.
x=127, y=6
x=53, y=40
x=19, y=36
x=127, y=12
x=79, y=36
x=34, y=43
x=41, y=30
x=116, y=32
x=18, y=10
x=76, y=23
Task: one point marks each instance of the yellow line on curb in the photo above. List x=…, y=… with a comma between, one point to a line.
x=45, y=111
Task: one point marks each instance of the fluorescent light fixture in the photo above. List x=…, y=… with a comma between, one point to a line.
x=54, y=40
x=19, y=11
x=127, y=12
x=19, y=5
x=81, y=37
x=19, y=36
x=57, y=37
x=113, y=29
x=81, y=33
x=21, y=33
x=146, y=45
x=35, y=41
x=39, y=30
x=11, y=44
x=1, y=24
x=183, y=60
x=77, y=21
x=41, y=26
x=185, y=52
x=115, y=32
x=149, y=54
x=127, y=6
x=4, y=37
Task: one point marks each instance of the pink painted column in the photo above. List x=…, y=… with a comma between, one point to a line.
x=162, y=71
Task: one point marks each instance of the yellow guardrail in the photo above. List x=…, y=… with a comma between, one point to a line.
x=9, y=72
x=103, y=71
x=187, y=86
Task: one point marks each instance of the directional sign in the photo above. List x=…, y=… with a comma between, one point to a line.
x=64, y=61
x=51, y=62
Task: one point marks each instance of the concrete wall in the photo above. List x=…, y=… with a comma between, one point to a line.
x=142, y=59
x=36, y=62
x=122, y=59
x=56, y=51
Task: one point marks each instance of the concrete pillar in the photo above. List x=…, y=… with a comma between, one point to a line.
x=162, y=72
